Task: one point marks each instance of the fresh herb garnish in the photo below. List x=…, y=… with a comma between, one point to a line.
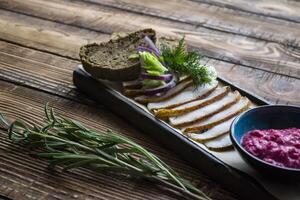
x=70, y=144
x=150, y=63
x=179, y=60
x=153, y=67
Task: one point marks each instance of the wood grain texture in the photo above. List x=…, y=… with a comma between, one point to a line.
x=214, y=17
x=269, y=56
x=53, y=74
x=285, y=10
x=39, y=70
x=254, y=46
x=274, y=88
x=45, y=35
x=24, y=177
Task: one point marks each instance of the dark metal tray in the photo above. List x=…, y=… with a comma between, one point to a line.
x=240, y=183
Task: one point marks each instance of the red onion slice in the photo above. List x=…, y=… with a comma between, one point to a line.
x=147, y=49
x=150, y=44
x=184, y=83
x=161, y=89
x=164, y=77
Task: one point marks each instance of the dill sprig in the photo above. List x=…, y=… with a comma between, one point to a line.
x=179, y=60
x=70, y=144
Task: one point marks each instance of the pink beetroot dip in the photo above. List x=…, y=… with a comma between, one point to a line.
x=278, y=147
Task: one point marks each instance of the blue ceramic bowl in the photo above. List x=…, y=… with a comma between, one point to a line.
x=265, y=117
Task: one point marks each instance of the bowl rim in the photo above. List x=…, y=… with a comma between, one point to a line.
x=239, y=147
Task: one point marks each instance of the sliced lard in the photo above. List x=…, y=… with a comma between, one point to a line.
x=220, y=117
x=188, y=107
x=219, y=144
x=205, y=112
x=188, y=95
x=212, y=133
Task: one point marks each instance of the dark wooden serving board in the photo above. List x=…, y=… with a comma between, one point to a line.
x=234, y=180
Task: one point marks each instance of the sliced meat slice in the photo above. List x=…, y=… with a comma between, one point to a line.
x=194, y=105
x=132, y=92
x=221, y=143
x=188, y=95
x=135, y=84
x=172, y=92
x=212, y=133
x=220, y=117
x=205, y=112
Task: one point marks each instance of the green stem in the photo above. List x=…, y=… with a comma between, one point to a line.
x=158, y=163
x=184, y=193
x=63, y=139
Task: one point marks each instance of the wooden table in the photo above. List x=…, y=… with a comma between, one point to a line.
x=254, y=44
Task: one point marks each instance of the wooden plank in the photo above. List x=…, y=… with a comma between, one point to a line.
x=39, y=70
x=250, y=52
x=285, y=10
x=24, y=177
x=45, y=35
x=53, y=74
x=214, y=17
x=21, y=101
x=274, y=88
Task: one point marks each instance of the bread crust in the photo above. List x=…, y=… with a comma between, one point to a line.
x=109, y=60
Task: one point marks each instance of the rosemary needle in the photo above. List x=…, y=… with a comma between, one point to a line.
x=70, y=144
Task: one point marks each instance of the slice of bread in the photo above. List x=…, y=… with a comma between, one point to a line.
x=109, y=60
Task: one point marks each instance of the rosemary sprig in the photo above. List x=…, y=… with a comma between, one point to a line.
x=184, y=62
x=70, y=144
